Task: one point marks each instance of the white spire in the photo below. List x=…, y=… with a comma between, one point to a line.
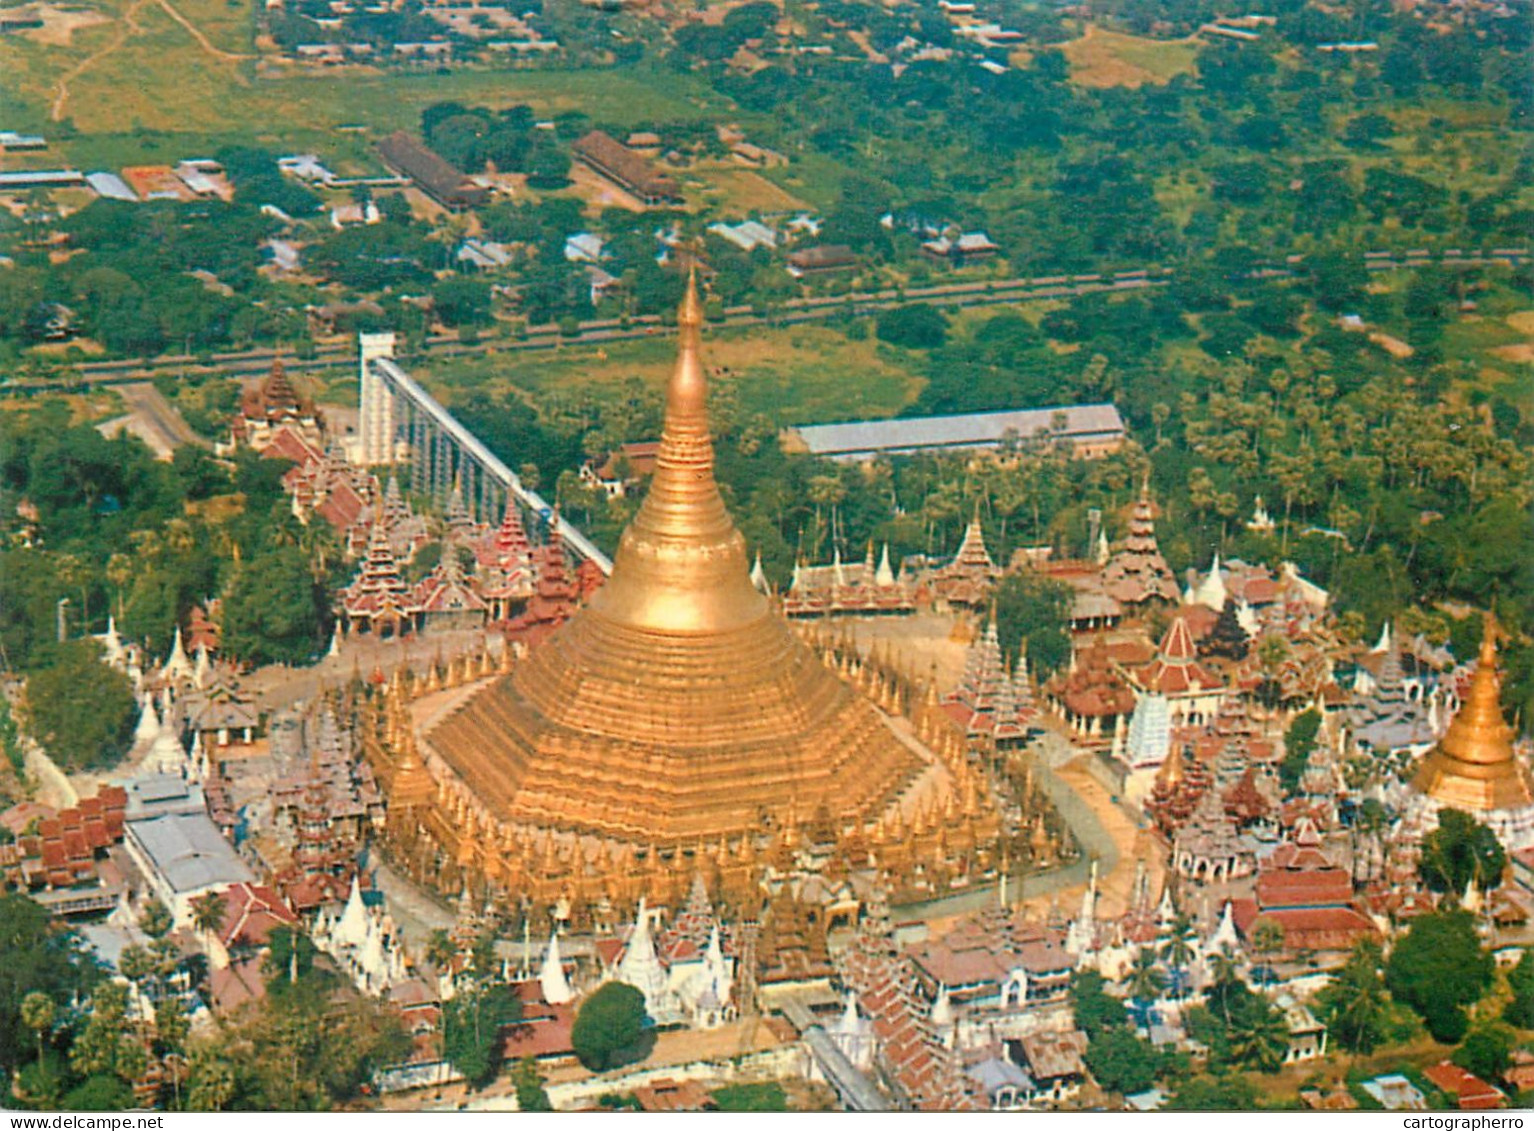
x=177, y=666
x=113, y=642
x=1384, y=643
x=335, y=640
x=884, y=575
x=758, y=577
x=1225, y=931
x=640, y=967
x=1102, y=548
x=353, y=927
x=148, y=725
x=1246, y=617
x=203, y=670
x=1211, y=591
x=836, y=567
x=551, y=977
x=1165, y=912
x=167, y=755
x=942, y=1008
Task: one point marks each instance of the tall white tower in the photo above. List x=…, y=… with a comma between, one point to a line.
x=376, y=426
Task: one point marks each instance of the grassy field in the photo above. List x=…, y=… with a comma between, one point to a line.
x=739, y=191
x=1109, y=58
x=798, y=375
x=143, y=70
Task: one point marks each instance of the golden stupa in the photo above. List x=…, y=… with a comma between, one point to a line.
x=1474, y=767
x=676, y=707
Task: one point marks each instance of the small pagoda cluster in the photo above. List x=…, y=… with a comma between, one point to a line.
x=908, y=1048
x=524, y=589
x=840, y=589
x=992, y=704
x=323, y=812
x=876, y=588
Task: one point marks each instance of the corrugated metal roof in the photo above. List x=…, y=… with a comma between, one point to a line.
x=972, y=430
x=189, y=852
x=111, y=186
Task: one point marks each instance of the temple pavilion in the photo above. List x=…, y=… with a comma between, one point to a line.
x=674, y=721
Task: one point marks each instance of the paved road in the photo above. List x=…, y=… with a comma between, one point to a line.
x=955, y=295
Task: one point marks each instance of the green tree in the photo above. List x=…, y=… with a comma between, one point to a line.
x=156, y=921
x=1299, y=742
x=471, y=1029
x=608, y=1026
x=1354, y=1003
x=913, y=327
x=530, y=1092
x=1438, y=969
x=1487, y=1051
x=1520, y=979
x=81, y=710
x=1214, y=1093
x=271, y=611
x=37, y=955
x=100, y=1092
x=38, y=1013
x=1146, y=978
x=1031, y=614
x=1094, y=1009
x=1122, y=1062
x=462, y=302
x=1459, y=852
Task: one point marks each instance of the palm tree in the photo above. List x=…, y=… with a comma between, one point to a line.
x=208, y=913
x=1260, y=1038
x=1178, y=948
x=37, y=1014
x=212, y=1083
x=1146, y=978
x=156, y=921
x=440, y=949
x=1268, y=940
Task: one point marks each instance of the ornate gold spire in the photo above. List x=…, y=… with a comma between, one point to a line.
x=1474, y=767
x=681, y=564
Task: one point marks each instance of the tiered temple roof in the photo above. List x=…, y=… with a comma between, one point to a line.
x=1138, y=573
x=991, y=702
x=967, y=580
x=1386, y=719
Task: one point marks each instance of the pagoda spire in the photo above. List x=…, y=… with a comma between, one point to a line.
x=1475, y=767
x=681, y=564
x=551, y=976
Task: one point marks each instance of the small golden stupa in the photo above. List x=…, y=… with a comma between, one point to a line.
x=1474, y=767
x=677, y=707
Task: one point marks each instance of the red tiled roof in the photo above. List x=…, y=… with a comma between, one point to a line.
x=1474, y=1093
x=1320, y=887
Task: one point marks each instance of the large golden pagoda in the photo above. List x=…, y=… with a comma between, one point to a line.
x=1474, y=767
x=676, y=708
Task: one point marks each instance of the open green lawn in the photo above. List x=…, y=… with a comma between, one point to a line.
x=804, y=374
x=1109, y=58
x=143, y=72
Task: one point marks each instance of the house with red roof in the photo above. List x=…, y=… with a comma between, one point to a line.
x=1471, y=1092
x=251, y=913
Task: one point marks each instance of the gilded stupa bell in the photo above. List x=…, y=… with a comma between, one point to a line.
x=677, y=705
x=1474, y=766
